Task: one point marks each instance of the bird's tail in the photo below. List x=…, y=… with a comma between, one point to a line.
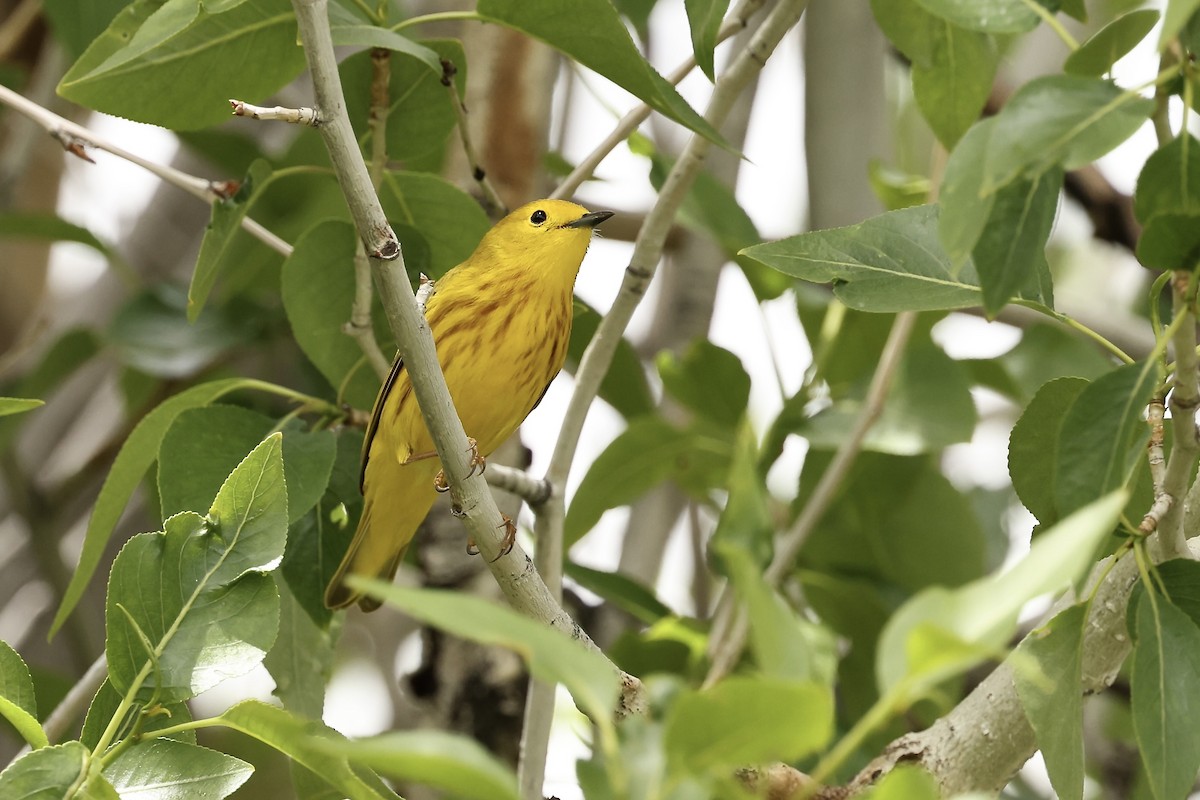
x=397, y=498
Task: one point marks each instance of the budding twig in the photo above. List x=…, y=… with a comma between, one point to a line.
x=295, y=116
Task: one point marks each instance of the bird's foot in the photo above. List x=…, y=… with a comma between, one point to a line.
x=510, y=539
x=477, y=461
x=510, y=536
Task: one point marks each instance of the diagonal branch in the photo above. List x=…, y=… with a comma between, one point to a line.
x=75, y=137
x=518, y=580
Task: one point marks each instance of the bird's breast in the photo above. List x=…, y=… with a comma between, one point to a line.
x=498, y=355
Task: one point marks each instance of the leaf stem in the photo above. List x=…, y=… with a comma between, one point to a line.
x=1052, y=21
x=1075, y=324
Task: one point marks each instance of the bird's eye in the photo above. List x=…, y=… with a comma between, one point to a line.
x=538, y=217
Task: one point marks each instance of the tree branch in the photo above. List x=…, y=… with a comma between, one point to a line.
x=986, y=738
x=737, y=20
x=514, y=573
x=75, y=137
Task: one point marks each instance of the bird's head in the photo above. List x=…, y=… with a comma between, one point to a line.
x=548, y=236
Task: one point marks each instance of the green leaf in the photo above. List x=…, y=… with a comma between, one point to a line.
x=226, y=222
x=704, y=18
x=602, y=44
x=301, y=662
x=963, y=208
x=743, y=721
x=18, y=405
x=105, y=705
x=445, y=762
x=992, y=16
x=317, y=542
x=1011, y=250
x=1033, y=446
x=151, y=333
x=624, y=386
x=18, y=704
x=952, y=91
x=895, y=187
x=1180, y=579
x=709, y=380
x=165, y=769
x=449, y=220
x=204, y=444
x=1102, y=436
x=1065, y=120
x=421, y=114
x=50, y=773
x=1170, y=241
x=317, y=286
x=746, y=524
x=1165, y=674
x=550, y=654
x=906, y=782
x=646, y=453
x=77, y=24
x=786, y=646
x=1177, y=15
x=892, y=262
x=145, y=66
x=50, y=228
x=196, y=594
x=621, y=591
x=355, y=35
x=941, y=632
x=880, y=525
x=929, y=406
x=1170, y=180
x=135, y=456
x=1048, y=680
x=304, y=741
x=1107, y=45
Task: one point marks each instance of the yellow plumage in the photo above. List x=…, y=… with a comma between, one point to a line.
x=501, y=321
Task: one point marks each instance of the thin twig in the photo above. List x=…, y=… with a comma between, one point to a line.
x=736, y=21
x=494, y=206
x=532, y=490
x=75, y=137
x=730, y=627
x=294, y=116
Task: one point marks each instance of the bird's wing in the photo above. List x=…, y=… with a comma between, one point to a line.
x=376, y=412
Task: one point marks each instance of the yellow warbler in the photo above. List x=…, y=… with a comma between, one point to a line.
x=501, y=321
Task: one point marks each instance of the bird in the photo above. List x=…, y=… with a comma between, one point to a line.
x=501, y=322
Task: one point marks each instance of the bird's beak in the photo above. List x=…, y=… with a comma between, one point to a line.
x=589, y=220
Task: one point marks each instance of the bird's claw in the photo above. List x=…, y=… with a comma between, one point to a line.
x=477, y=461
x=510, y=539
